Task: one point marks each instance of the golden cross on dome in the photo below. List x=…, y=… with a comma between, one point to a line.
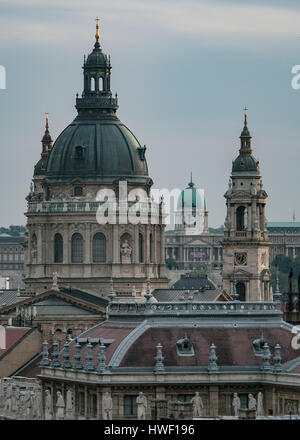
x=47, y=119
x=245, y=109
x=97, y=28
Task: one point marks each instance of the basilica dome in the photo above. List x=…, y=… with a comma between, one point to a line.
x=96, y=150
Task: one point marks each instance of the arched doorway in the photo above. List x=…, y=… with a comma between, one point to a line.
x=241, y=291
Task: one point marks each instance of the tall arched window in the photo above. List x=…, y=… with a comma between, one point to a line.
x=241, y=291
x=77, y=248
x=240, y=218
x=141, y=248
x=99, y=248
x=58, y=248
x=34, y=248
x=151, y=248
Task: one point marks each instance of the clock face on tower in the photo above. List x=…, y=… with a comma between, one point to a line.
x=240, y=258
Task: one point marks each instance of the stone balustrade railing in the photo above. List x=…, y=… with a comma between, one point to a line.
x=193, y=308
x=47, y=207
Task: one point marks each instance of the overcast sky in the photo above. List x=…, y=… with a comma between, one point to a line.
x=183, y=71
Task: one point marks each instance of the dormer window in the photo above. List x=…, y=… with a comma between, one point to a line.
x=78, y=191
x=79, y=152
x=185, y=347
x=142, y=151
x=258, y=346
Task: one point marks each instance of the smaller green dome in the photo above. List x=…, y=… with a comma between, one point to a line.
x=190, y=197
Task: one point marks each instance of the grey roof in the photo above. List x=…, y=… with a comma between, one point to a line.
x=84, y=296
x=173, y=295
x=57, y=306
x=189, y=281
x=7, y=239
x=10, y=296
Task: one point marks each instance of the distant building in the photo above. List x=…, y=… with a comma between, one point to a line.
x=12, y=260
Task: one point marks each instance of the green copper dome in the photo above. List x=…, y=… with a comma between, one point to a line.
x=190, y=197
x=96, y=146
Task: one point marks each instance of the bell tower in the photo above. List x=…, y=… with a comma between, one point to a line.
x=246, y=272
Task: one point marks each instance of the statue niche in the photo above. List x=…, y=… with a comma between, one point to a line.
x=126, y=249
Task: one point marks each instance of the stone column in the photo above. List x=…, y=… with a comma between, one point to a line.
x=86, y=414
x=214, y=400
x=162, y=237
x=154, y=246
x=249, y=217
x=233, y=218
x=87, y=243
x=115, y=245
x=135, y=239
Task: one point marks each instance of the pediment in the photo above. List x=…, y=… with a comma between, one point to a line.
x=241, y=272
x=76, y=180
x=241, y=195
x=198, y=243
x=54, y=296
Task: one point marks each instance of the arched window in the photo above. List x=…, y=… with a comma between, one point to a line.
x=240, y=218
x=141, y=248
x=151, y=248
x=34, y=247
x=241, y=291
x=99, y=248
x=93, y=84
x=77, y=248
x=58, y=248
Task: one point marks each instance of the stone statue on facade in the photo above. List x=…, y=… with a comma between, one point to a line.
x=260, y=405
x=14, y=398
x=198, y=406
x=126, y=251
x=8, y=398
x=28, y=404
x=2, y=395
x=251, y=402
x=69, y=405
x=55, y=281
x=37, y=405
x=60, y=406
x=107, y=407
x=141, y=401
x=48, y=406
x=236, y=403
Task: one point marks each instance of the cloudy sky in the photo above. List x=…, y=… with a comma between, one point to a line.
x=183, y=70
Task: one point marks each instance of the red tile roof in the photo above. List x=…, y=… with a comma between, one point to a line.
x=233, y=346
x=12, y=337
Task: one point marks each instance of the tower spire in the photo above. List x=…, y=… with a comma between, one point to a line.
x=245, y=120
x=97, y=36
x=47, y=140
x=245, y=136
x=191, y=184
